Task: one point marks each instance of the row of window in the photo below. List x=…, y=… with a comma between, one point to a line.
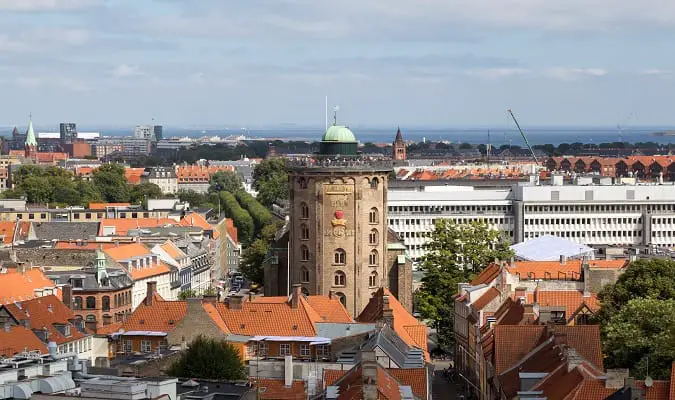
x=373, y=214
x=120, y=299
x=261, y=349
x=583, y=234
x=431, y=209
x=431, y=222
x=594, y=208
x=581, y=221
x=340, y=279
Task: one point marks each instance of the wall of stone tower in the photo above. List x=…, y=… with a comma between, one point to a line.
x=336, y=217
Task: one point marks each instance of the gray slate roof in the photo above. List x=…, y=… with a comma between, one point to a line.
x=65, y=230
x=392, y=345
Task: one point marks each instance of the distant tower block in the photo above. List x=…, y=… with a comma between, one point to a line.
x=399, y=147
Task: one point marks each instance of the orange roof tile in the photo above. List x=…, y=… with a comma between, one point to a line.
x=7, y=231
x=274, y=389
x=570, y=299
x=270, y=318
x=102, y=206
x=161, y=316
x=231, y=230
x=486, y=298
x=211, y=310
x=127, y=252
x=46, y=312
x=196, y=219
x=17, y=286
x=546, y=269
x=487, y=275
x=409, y=329
x=330, y=310
x=109, y=329
x=123, y=226
x=19, y=339
x=172, y=250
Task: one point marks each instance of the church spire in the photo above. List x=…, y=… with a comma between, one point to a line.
x=30, y=146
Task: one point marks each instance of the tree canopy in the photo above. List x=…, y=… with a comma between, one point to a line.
x=111, y=182
x=224, y=180
x=454, y=253
x=270, y=179
x=252, y=258
x=209, y=358
x=637, y=317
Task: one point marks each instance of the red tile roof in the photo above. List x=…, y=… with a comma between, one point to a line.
x=408, y=328
x=274, y=389
x=17, y=286
x=487, y=275
x=46, y=312
x=486, y=298
x=19, y=339
x=416, y=378
x=7, y=231
x=388, y=382
x=231, y=230
x=126, y=252
x=196, y=219
x=572, y=300
x=124, y=225
x=134, y=175
x=161, y=316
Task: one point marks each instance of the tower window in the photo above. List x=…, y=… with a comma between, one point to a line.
x=339, y=279
x=372, y=279
x=373, y=216
x=374, y=183
x=373, y=258
x=305, y=274
x=304, y=211
x=304, y=232
x=340, y=256
x=372, y=237
x=304, y=253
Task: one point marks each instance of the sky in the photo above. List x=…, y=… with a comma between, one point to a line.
x=271, y=63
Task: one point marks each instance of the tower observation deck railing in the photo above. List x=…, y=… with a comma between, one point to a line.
x=337, y=162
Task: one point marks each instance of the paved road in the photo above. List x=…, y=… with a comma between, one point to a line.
x=441, y=389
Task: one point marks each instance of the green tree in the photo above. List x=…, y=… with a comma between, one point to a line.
x=89, y=193
x=653, y=278
x=37, y=189
x=224, y=180
x=111, y=182
x=252, y=259
x=270, y=179
x=454, y=254
x=242, y=219
x=261, y=215
x=637, y=318
x=142, y=192
x=64, y=190
x=209, y=358
x=641, y=336
x=187, y=294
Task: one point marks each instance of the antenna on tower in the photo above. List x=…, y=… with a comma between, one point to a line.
x=335, y=111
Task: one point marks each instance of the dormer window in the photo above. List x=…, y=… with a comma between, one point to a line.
x=77, y=283
x=67, y=331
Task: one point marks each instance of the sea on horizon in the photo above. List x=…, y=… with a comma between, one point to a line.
x=497, y=137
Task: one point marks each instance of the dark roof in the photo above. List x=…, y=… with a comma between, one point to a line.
x=65, y=230
x=390, y=343
x=117, y=279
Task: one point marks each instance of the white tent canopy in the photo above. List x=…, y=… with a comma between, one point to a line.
x=550, y=248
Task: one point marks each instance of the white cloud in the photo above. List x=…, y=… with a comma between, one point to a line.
x=45, y=5
x=659, y=73
x=570, y=74
x=126, y=71
x=496, y=73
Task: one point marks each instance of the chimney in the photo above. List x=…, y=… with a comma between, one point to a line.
x=563, y=259
x=296, y=292
x=236, y=302
x=210, y=298
x=152, y=288
x=520, y=294
x=528, y=313
x=369, y=375
x=331, y=294
x=67, y=295
x=387, y=312
x=614, y=378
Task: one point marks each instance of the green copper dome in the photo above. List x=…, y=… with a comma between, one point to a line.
x=338, y=133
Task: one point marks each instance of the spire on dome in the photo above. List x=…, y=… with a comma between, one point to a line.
x=30, y=134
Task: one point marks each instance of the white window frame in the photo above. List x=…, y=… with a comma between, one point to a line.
x=285, y=349
x=146, y=346
x=305, y=350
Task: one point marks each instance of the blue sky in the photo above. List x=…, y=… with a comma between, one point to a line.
x=233, y=63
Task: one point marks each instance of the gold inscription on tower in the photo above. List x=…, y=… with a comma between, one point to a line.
x=339, y=201
x=338, y=189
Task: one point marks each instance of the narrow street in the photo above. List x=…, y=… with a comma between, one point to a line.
x=441, y=389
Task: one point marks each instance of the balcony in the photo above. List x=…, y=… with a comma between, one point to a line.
x=349, y=163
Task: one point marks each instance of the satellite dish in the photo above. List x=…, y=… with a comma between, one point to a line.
x=649, y=382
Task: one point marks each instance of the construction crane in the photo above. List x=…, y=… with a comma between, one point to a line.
x=523, y=135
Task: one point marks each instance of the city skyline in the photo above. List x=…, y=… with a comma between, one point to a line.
x=266, y=63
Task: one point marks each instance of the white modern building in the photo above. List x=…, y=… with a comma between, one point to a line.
x=586, y=213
